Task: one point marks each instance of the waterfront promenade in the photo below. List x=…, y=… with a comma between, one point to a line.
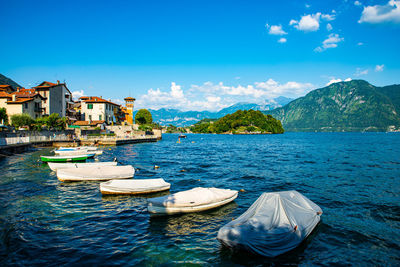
x=11, y=143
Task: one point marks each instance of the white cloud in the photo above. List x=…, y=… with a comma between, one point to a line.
x=389, y=13
x=379, y=68
x=77, y=94
x=282, y=40
x=275, y=29
x=331, y=42
x=118, y=101
x=307, y=23
x=329, y=27
x=328, y=17
x=360, y=72
x=357, y=3
x=333, y=80
x=360, y=44
x=213, y=97
x=307, y=5
x=310, y=23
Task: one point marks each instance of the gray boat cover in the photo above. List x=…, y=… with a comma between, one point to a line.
x=276, y=223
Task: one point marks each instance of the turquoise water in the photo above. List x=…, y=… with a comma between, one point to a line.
x=353, y=177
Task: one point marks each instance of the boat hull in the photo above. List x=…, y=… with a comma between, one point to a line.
x=103, y=173
x=79, y=158
x=133, y=187
x=169, y=210
x=55, y=166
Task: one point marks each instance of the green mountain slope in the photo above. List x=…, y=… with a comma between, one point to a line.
x=346, y=106
x=5, y=80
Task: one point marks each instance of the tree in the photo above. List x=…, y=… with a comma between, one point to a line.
x=19, y=120
x=143, y=116
x=39, y=123
x=3, y=116
x=54, y=121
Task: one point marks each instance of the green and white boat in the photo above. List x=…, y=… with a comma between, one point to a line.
x=71, y=158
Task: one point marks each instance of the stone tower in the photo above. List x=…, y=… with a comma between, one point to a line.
x=129, y=106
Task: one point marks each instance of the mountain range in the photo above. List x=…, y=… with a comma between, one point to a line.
x=5, y=80
x=186, y=118
x=344, y=106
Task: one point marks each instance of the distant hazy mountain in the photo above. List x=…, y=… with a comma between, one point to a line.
x=185, y=118
x=345, y=106
x=5, y=80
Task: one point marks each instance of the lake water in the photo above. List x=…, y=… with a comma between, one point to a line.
x=353, y=177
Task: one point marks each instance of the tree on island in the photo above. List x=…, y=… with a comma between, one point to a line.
x=242, y=121
x=143, y=116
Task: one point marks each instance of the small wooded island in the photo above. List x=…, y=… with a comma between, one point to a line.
x=240, y=122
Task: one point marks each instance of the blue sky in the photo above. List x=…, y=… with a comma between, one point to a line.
x=198, y=55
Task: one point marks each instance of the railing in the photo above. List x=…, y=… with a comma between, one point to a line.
x=31, y=139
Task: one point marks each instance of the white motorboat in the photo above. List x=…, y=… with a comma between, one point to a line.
x=99, y=173
x=276, y=223
x=194, y=200
x=136, y=186
x=55, y=166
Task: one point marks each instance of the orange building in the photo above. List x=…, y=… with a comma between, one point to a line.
x=129, y=107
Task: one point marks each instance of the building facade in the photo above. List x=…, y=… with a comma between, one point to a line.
x=95, y=108
x=57, y=99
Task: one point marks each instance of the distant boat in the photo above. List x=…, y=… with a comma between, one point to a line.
x=276, y=223
x=72, y=158
x=135, y=186
x=182, y=136
x=194, y=200
x=101, y=173
x=55, y=166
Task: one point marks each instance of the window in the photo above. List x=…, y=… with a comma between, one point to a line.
x=90, y=117
x=99, y=117
x=26, y=105
x=89, y=106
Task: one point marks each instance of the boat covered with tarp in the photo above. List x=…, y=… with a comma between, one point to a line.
x=55, y=165
x=276, y=223
x=193, y=200
x=97, y=173
x=134, y=186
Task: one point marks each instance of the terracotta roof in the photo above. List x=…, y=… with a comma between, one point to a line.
x=5, y=95
x=27, y=93
x=129, y=98
x=20, y=100
x=86, y=123
x=95, y=99
x=5, y=85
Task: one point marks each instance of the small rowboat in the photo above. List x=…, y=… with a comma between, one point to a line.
x=87, y=148
x=276, y=223
x=55, y=166
x=77, y=152
x=194, y=200
x=72, y=158
x=102, y=173
x=137, y=186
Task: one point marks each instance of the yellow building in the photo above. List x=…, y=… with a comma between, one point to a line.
x=129, y=106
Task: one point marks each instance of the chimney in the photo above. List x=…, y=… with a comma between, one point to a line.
x=58, y=82
x=17, y=89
